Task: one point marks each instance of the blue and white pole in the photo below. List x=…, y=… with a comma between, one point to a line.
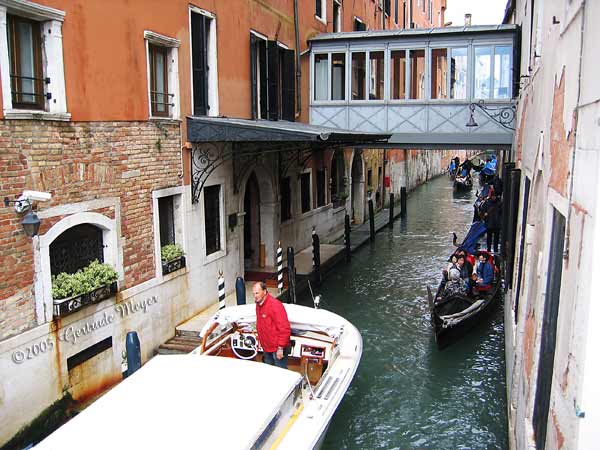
x=221, y=288
x=279, y=267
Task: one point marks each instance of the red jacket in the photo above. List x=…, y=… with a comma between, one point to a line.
x=272, y=324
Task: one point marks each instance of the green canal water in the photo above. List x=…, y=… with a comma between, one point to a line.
x=406, y=393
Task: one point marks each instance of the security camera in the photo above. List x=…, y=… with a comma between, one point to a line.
x=37, y=196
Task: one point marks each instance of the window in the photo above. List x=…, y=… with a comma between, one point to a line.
x=337, y=178
x=163, y=75
x=203, y=37
x=337, y=16
x=439, y=72
x=212, y=218
x=338, y=76
x=502, y=72
x=32, y=69
x=305, y=197
x=166, y=220
x=376, y=75
x=76, y=248
x=483, y=75
x=458, y=73
x=320, y=10
x=369, y=177
x=159, y=81
x=321, y=188
x=320, y=74
x=387, y=7
x=417, y=74
x=286, y=199
x=430, y=12
x=25, y=53
x=358, y=75
x=272, y=76
x=396, y=12
x=398, y=74
x=359, y=25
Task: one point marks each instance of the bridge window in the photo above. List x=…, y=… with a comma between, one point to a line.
x=358, y=76
x=376, y=76
x=417, y=74
x=398, y=74
x=502, y=72
x=439, y=73
x=321, y=62
x=483, y=72
x=458, y=73
x=338, y=76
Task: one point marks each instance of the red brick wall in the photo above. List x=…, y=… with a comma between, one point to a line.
x=79, y=162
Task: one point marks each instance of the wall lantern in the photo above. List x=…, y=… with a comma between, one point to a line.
x=503, y=115
x=471, y=123
x=31, y=222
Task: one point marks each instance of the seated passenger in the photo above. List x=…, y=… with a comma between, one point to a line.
x=484, y=273
x=455, y=285
x=465, y=267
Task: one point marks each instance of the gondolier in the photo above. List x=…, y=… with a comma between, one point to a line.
x=272, y=325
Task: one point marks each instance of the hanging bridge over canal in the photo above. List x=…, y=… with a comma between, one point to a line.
x=451, y=87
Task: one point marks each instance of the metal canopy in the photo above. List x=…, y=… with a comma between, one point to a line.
x=219, y=139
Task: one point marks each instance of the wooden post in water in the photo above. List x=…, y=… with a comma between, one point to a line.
x=403, y=201
x=221, y=289
x=279, y=268
x=347, y=236
x=240, y=291
x=391, y=210
x=371, y=221
x=316, y=257
x=291, y=275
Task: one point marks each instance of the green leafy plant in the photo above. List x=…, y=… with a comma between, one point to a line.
x=84, y=280
x=170, y=252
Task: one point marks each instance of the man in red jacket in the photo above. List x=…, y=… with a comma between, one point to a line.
x=272, y=325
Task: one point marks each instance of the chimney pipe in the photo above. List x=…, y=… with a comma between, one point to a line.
x=467, y=20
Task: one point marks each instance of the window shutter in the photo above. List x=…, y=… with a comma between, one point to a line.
x=200, y=64
x=262, y=55
x=273, y=80
x=289, y=86
x=253, y=76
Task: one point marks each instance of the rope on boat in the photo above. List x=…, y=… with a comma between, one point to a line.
x=279, y=267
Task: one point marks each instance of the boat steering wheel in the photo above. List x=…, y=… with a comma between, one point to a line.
x=246, y=343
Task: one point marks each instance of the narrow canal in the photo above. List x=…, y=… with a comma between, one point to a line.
x=407, y=394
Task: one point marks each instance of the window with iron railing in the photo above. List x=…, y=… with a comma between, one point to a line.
x=76, y=248
x=160, y=97
x=25, y=55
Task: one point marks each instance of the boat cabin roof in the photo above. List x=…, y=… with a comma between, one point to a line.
x=182, y=401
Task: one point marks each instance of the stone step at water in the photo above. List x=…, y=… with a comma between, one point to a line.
x=179, y=345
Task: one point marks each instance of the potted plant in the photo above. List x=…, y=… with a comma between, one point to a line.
x=72, y=291
x=172, y=258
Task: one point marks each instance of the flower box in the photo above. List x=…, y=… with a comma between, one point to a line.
x=65, y=306
x=173, y=265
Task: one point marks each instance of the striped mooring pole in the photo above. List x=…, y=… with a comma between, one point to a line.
x=221, y=288
x=279, y=267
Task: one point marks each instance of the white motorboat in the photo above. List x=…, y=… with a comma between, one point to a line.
x=221, y=396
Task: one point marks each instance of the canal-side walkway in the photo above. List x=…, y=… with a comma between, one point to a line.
x=186, y=334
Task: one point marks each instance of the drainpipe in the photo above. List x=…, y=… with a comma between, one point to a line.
x=298, y=68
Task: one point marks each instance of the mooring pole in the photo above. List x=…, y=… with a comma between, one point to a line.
x=291, y=275
x=279, y=267
x=134, y=353
x=316, y=257
x=391, y=210
x=347, y=236
x=371, y=221
x=403, y=201
x=240, y=291
x=221, y=289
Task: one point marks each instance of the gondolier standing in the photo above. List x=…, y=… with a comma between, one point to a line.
x=272, y=325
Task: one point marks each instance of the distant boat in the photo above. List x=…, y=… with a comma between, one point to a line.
x=220, y=397
x=463, y=183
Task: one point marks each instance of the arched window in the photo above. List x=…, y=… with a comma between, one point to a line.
x=75, y=248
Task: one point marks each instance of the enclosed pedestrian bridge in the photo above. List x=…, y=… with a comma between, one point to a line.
x=430, y=88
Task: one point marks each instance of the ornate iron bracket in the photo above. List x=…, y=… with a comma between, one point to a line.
x=501, y=114
x=206, y=157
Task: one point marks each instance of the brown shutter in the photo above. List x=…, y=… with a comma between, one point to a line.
x=273, y=80
x=289, y=86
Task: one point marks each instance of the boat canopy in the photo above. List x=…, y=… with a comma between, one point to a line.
x=182, y=401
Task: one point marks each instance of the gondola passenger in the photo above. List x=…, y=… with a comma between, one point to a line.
x=484, y=272
x=455, y=285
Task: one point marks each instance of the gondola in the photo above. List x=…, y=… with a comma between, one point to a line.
x=452, y=317
x=463, y=183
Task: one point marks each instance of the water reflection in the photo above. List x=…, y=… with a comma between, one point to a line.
x=407, y=394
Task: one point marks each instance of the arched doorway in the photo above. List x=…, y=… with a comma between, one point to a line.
x=358, y=188
x=252, y=239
